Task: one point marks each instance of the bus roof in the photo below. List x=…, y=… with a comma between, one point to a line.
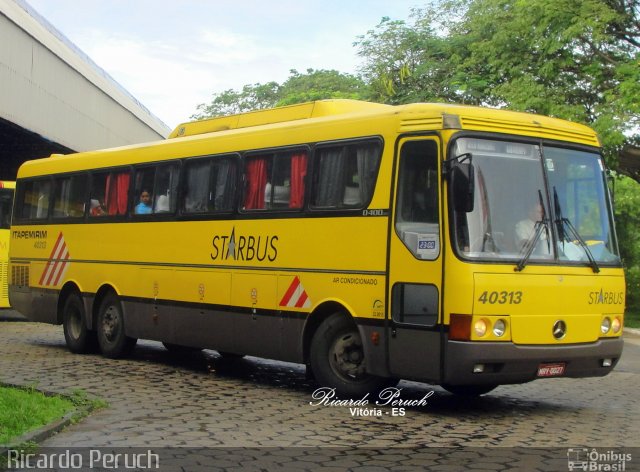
x=275, y=115
x=413, y=117
x=298, y=124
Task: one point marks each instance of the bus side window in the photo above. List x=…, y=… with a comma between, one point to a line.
x=70, y=196
x=34, y=202
x=209, y=185
x=197, y=194
x=345, y=175
x=275, y=181
x=109, y=193
x=165, y=188
x=223, y=184
x=417, y=199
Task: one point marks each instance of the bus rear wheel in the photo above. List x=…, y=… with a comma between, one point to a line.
x=114, y=343
x=337, y=359
x=78, y=337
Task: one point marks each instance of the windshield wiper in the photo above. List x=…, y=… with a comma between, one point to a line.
x=531, y=243
x=561, y=222
x=535, y=237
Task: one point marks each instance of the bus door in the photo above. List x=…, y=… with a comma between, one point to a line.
x=415, y=263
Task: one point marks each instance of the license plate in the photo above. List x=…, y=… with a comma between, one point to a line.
x=551, y=370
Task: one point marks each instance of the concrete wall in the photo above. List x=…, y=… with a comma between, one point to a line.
x=49, y=87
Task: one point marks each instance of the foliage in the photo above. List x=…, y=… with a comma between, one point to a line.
x=298, y=88
x=627, y=212
x=577, y=60
x=407, y=63
x=230, y=102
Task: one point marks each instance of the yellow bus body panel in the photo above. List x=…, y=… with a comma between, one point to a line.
x=580, y=300
x=4, y=257
x=348, y=266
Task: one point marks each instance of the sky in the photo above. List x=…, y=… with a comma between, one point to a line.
x=173, y=55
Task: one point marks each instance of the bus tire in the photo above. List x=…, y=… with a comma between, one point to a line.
x=114, y=343
x=337, y=359
x=78, y=337
x=468, y=390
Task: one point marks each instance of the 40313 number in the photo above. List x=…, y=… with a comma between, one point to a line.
x=501, y=298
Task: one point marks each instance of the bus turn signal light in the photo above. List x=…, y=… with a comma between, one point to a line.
x=460, y=327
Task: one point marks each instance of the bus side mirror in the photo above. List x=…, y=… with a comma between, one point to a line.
x=463, y=187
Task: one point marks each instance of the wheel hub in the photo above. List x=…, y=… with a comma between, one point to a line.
x=347, y=356
x=110, y=323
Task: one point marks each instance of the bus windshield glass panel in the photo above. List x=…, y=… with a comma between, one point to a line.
x=543, y=204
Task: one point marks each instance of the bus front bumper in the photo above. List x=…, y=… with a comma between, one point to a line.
x=492, y=363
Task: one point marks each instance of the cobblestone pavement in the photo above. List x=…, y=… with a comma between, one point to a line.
x=158, y=400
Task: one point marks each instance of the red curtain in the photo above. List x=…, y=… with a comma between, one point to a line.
x=116, y=193
x=298, y=174
x=256, y=181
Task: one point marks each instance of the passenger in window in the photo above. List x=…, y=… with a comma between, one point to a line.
x=97, y=208
x=144, y=207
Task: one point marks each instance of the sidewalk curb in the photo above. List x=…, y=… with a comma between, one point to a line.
x=635, y=332
x=48, y=430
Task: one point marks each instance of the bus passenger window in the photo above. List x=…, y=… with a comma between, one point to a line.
x=275, y=181
x=155, y=189
x=197, y=194
x=34, y=202
x=223, y=184
x=209, y=185
x=70, y=196
x=417, y=199
x=345, y=175
x=165, y=189
x=109, y=193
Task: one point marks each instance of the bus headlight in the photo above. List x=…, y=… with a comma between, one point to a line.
x=605, y=326
x=499, y=328
x=616, y=324
x=480, y=328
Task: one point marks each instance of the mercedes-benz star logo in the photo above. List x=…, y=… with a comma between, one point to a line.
x=559, y=329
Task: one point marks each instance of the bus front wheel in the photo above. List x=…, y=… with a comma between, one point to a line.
x=337, y=359
x=114, y=343
x=78, y=337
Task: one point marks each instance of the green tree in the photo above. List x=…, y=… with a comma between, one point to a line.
x=320, y=85
x=230, y=102
x=627, y=212
x=577, y=60
x=298, y=88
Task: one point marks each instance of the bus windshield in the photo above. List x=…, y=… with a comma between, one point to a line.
x=535, y=203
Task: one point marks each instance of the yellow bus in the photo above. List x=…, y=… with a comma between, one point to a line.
x=6, y=201
x=454, y=245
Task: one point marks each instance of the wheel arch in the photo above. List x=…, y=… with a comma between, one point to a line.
x=323, y=311
x=70, y=287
